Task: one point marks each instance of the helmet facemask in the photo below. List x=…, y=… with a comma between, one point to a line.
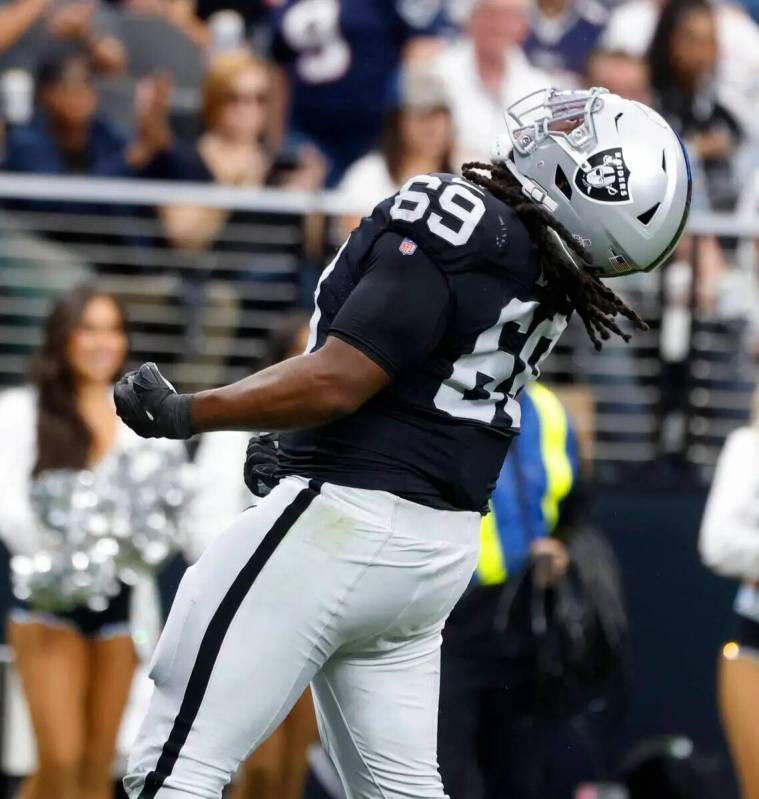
x=566, y=116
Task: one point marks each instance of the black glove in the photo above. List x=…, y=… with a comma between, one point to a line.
x=261, y=464
x=150, y=405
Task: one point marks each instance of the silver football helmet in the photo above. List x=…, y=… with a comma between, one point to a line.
x=611, y=170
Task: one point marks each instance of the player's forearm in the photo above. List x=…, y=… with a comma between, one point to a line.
x=294, y=394
x=307, y=391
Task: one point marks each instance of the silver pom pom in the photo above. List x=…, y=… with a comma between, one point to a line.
x=103, y=527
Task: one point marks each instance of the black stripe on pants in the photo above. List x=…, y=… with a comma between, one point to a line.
x=214, y=637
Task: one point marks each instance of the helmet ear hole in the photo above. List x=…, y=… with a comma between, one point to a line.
x=562, y=182
x=647, y=216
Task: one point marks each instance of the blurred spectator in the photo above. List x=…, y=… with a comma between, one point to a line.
x=417, y=138
x=254, y=13
x=631, y=26
x=486, y=73
x=17, y=17
x=631, y=29
x=619, y=72
x=730, y=546
x=92, y=26
x=67, y=135
x=682, y=60
x=182, y=14
x=628, y=76
x=562, y=35
x=232, y=151
x=26, y=25
x=76, y=666
x=227, y=32
x=338, y=61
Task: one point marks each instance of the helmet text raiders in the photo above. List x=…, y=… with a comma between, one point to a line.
x=611, y=170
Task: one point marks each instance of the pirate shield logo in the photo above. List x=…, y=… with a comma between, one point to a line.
x=608, y=180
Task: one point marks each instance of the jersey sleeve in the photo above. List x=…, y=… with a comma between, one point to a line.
x=397, y=313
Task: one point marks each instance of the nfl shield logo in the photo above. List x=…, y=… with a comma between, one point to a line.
x=407, y=247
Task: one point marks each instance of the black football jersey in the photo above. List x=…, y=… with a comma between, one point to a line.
x=442, y=288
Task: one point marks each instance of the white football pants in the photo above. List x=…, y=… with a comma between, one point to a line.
x=343, y=588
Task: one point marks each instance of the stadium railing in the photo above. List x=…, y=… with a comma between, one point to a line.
x=206, y=314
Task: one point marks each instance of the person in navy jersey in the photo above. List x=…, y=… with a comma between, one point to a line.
x=563, y=33
x=339, y=61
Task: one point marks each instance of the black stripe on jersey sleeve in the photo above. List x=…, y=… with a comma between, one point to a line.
x=398, y=311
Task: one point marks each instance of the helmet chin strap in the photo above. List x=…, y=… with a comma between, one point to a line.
x=500, y=155
x=530, y=188
x=565, y=251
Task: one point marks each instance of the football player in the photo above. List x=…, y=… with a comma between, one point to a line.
x=432, y=317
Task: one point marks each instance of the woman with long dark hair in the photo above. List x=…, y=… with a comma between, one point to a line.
x=76, y=667
x=682, y=62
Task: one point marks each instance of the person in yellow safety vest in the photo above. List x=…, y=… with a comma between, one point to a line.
x=485, y=743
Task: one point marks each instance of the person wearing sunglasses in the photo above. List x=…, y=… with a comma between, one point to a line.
x=233, y=150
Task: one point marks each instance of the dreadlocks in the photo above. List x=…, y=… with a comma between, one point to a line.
x=595, y=303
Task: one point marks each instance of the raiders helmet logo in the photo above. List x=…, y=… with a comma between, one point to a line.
x=608, y=180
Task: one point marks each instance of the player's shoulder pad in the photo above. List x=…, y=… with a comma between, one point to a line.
x=457, y=223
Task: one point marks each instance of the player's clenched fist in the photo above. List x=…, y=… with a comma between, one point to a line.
x=150, y=405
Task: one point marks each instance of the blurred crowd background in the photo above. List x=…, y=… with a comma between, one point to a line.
x=202, y=159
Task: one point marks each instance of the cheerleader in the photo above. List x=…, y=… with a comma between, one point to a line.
x=730, y=546
x=75, y=667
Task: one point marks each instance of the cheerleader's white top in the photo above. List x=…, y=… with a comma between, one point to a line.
x=729, y=540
